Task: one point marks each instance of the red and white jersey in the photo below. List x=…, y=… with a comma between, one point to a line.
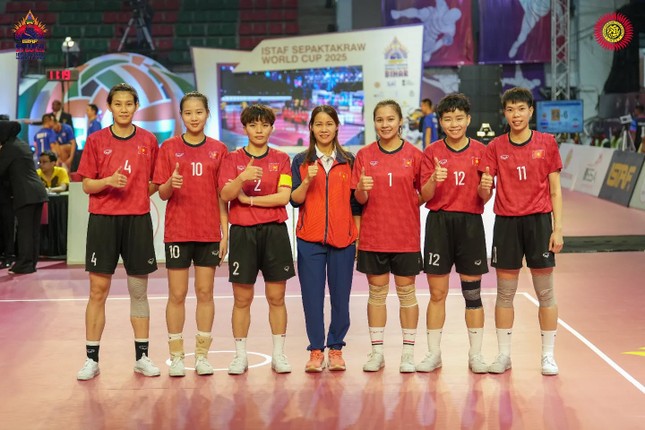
x=274, y=164
x=136, y=155
x=192, y=212
x=391, y=218
x=522, y=172
x=458, y=193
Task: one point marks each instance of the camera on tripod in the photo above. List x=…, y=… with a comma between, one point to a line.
x=140, y=21
x=139, y=7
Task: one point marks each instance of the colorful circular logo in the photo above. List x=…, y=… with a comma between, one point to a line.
x=613, y=31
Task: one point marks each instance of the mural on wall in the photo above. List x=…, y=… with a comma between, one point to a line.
x=159, y=94
x=447, y=28
x=530, y=76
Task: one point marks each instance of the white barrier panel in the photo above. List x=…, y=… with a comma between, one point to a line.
x=593, y=165
x=570, y=165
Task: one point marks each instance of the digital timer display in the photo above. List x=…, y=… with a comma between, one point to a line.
x=62, y=75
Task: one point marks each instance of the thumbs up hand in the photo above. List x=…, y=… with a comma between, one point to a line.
x=176, y=180
x=486, y=182
x=312, y=171
x=365, y=183
x=440, y=173
x=118, y=180
x=251, y=173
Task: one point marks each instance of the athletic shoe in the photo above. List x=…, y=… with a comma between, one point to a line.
x=280, y=364
x=146, y=367
x=202, y=366
x=407, y=363
x=476, y=364
x=501, y=364
x=89, y=370
x=429, y=363
x=336, y=361
x=239, y=365
x=316, y=362
x=177, y=367
x=375, y=362
x=549, y=367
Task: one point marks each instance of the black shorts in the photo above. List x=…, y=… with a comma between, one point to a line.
x=517, y=236
x=130, y=236
x=264, y=247
x=397, y=263
x=179, y=255
x=454, y=238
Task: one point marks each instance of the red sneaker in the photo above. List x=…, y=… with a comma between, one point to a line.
x=336, y=361
x=316, y=362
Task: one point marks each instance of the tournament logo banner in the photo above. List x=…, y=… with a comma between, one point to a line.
x=447, y=28
x=29, y=34
x=514, y=31
x=620, y=181
x=638, y=196
x=613, y=31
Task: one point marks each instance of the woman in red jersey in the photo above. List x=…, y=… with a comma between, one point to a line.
x=387, y=183
x=528, y=222
x=326, y=232
x=117, y=167
x=196, y=227
x=256, y=180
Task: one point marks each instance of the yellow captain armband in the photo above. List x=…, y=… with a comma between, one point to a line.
x=285, y=181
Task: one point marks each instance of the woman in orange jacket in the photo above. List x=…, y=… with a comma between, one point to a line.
x=327, y=230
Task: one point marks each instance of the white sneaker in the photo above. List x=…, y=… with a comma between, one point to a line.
x=280, y=364
x=146, y=367
x=375, y=362
x=239, y=365
x=407, y=363
x=476, y=364
x=202, y=366
x=177, y=367
x=89, y=370
x=549, y=366
x=429, y=363
x=501, y=364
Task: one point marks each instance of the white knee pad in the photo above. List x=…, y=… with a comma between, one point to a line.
x=407, y=295
x=378, y=295
x=506, y=289
x=543, y=285
x=138, y=289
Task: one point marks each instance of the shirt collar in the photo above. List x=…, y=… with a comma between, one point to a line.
x=320, y=154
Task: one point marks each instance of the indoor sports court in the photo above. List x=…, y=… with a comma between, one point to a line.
x=600, y=349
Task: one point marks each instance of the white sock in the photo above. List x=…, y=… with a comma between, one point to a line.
x=203, y=333
x=475, y=336
x=376, y=336
x=240, y=347
x=278, y=344
x=409, y=336
x=548, y=342
x=175, y=336
x=504, y=340
x=434, y=341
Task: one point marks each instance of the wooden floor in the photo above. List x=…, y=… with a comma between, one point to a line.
x=600, y=349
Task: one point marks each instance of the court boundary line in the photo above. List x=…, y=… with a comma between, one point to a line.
x=622, y=372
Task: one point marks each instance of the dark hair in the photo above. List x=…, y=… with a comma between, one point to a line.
x=194, y=95
x=427, y=101
x=48, y=116
x=125, y=88
x=453, y=102
x=52, y=155
x=94, y=107
x=391, y=103
x=517, y=95
x=257, y=113
x=310, y=155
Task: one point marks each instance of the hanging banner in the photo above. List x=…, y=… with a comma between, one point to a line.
x=447, y=28
x=515, y=31
x=530, y=76
x=351, y=71
x=621, y=177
